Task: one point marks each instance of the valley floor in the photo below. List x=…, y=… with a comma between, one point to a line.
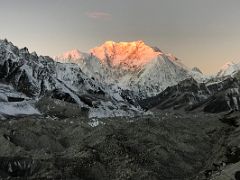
x=163, y=146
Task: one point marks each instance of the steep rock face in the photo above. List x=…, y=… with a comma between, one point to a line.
x=132, y=65
x=38, y=76
x=27, y=72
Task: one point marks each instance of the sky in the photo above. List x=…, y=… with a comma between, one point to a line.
x=202, y=33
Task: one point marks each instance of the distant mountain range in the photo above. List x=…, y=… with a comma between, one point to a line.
x=114, y=79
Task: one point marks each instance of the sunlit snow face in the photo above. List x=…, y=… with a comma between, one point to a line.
x=129, y=56
x=125, y=54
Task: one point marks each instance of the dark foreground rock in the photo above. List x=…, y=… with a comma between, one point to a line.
x=166, y=146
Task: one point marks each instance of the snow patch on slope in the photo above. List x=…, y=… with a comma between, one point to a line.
x=17, y=109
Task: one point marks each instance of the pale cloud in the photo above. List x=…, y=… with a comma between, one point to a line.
x=99, y=15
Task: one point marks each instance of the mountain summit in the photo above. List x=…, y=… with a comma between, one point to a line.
x=229, y=69
x=72, y=55
x=126, y=55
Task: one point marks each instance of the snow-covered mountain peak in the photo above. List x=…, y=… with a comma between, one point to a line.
x=227, y=65
x=229, y=69
x=133, y=65
x=126, y=55
x=71, y=56
x=196, y=69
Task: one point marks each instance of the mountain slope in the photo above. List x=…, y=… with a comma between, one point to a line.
x=157, y=75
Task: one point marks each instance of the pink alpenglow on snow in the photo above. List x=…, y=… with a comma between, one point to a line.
x=125, y=54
